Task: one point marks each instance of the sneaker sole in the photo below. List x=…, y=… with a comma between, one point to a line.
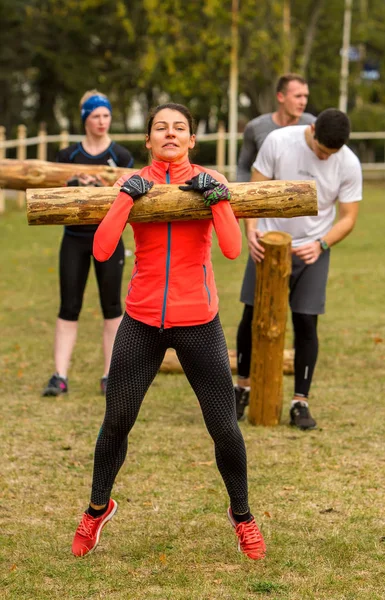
x=303, y=428
x=53, y=392
x=108, y=518
x=233, y=524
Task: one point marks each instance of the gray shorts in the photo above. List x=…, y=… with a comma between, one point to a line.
x=307, y=285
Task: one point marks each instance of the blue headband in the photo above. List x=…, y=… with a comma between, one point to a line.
x=92, y=103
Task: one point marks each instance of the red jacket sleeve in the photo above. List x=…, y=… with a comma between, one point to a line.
x=227, y=229
x=108, y=233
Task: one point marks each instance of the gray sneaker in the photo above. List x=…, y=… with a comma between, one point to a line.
x=241, y=401
x=300, y=416
x=56, y=386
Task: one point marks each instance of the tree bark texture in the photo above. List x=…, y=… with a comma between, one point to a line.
x=268, y=329
x=88, y=205
x=23, y=174
x=171, y=363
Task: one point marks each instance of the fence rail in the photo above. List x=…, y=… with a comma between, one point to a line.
x=221, y=137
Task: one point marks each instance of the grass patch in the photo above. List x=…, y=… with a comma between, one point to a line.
x=266, y=587
x=318, y=496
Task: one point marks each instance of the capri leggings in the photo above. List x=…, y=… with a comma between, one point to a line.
x=74, y=261
x=138, y=352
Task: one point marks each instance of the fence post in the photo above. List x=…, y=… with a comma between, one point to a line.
x=221, y=148
x=268, y=329
x=64, y=141
x=21, y=153
x=42, y=144
x=2, y=155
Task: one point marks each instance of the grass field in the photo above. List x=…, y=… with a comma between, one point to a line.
x=318, y=496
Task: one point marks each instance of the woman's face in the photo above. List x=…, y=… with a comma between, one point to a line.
x=170, y=138
x=98, y=122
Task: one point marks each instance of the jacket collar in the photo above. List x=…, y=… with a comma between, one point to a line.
x=178, y=172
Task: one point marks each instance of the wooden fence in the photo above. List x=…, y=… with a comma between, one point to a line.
x=221, y=137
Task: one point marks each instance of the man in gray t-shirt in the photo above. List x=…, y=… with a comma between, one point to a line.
x=315, y=152
x=292, y=96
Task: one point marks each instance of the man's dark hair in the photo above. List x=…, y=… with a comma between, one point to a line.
x=332, y=128
x=172, y=106
x=285, y=79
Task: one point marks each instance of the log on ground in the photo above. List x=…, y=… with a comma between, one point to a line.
x=89, y=205
x=171, y=363
x=33, y=173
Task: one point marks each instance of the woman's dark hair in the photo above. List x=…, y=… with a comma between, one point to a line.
x=172, y=106
x=332, y=128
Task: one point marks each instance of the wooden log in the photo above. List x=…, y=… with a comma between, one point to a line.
x=23, y=174
x=88, y=205
x=171, y=363
x=268, y=330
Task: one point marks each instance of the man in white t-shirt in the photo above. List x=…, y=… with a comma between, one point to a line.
x=316, y=152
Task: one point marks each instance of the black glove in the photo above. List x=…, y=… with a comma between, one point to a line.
x=220, y=192
x=200, y=183
x=78, y=180
x=73, y=182
x=136, y=186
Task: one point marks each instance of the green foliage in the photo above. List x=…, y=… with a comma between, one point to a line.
x=54, y=50
x=369, y=117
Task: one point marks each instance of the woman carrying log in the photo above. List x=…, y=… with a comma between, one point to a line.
x=76, y=247
x=171, y=302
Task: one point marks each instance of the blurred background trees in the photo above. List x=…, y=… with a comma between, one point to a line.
x=142, y=52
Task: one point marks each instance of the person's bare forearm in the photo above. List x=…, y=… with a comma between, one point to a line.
x=250, y=225
x=310, y=252
x=343, y=226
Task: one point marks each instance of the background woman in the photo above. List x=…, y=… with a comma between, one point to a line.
x=171, y=302
x=76, y=247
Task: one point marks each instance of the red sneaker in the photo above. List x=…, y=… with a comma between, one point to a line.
x=250, y=540
x=88, y=532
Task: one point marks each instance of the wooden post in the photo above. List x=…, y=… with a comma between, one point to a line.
x=221, y=148
x=42, y=144
x=64, y=139
x=2, y=155
x=268, y=329
x=21, y=153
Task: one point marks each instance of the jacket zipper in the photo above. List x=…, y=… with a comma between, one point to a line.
x=206, y=286
x=168, y=257
x=132, y=279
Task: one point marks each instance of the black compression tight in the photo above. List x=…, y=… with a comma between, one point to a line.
x=138, y=352
x=306, y=351
x=244, y=343
x=75, y=260
x=305, y=344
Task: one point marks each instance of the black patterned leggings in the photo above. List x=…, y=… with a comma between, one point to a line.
x=138, y=353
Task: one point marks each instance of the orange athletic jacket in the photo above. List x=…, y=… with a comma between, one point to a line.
x=172, y=282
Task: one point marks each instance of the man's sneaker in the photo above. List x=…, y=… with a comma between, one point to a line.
x=103, y=385
x=250, y=540
x=88, y=532
x=300, y=416
x=56, y=386
x=241, y=401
